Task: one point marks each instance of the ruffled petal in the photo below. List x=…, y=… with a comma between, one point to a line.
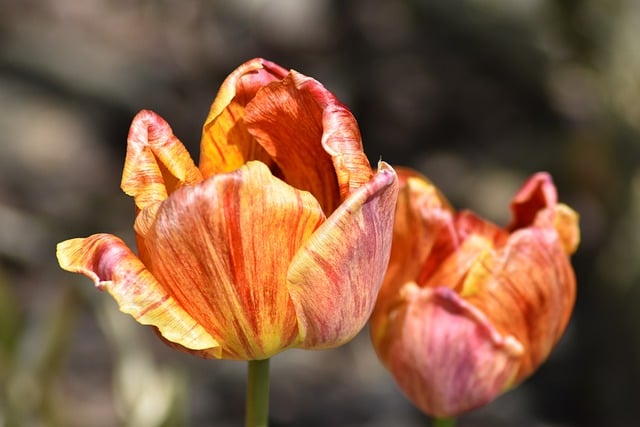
x=223, y=248
x=226, y=144
x=291, y=123
x=535, y=195
x=313, y=138
x=528, y=289
x=156, y=163
x=113, y=267
x=341, y=137
x=445, y=354
x=287, y=122
x=335, y=277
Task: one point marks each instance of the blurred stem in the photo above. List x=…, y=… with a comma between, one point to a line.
x=257, y=405
x=55, y=348
x=444, y=422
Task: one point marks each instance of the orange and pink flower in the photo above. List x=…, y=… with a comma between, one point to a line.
x=467, y=309
x=279, y=238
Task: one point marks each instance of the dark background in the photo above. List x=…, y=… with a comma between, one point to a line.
x=476, y=94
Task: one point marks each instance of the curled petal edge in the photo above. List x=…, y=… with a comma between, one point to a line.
x=340, y=268
x=157, y=163
x=444, y=294
x=341, y=137
x=226, y=144
x=113, y=267
x=228, y=89
x=536, y=194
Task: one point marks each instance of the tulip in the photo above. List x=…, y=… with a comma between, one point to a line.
x=467, y=309
x=278, y=239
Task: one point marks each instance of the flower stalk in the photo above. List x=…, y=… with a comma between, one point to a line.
x=444, y=422
x=257, y=404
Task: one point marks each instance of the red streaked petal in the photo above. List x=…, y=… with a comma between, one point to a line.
x=422, y=217
x=341, y=136
x=226, y=144
x=113, y=267
x=156, y=163
x=287, y=123
x=445, y=354
x=335, y=277
x=528, y=289
x=223, y=248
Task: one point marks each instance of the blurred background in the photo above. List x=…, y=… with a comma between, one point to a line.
x=477, y=94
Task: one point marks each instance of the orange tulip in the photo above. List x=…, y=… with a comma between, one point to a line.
x=468, y=310
x=279, y=239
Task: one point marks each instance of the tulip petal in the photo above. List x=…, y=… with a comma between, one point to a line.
x=156, y=163
x=444, y=353
x=287, y=122
x=565, y=222
x=114, y=268
x=226, y=144
x=335, y=277
x=290, y=118
x=535, y=195
x=422, y=217
x=341, y=137
x=453, y=269
x=527, y=288
x=223, y=248
x=422, y=213
x=467, y=239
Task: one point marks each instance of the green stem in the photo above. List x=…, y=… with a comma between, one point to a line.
x=444, y=422
x=257, y=405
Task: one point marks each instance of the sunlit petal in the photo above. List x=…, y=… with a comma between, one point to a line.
x=223, y=248
x=341, y=136
x=287, y=122
x=157, y=163
x=335, y=277
x=113, y=267
x=528, y=288
x=226, y=144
